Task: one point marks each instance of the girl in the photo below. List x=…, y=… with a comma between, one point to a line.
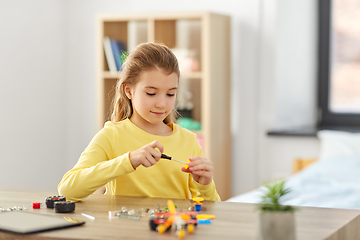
x=125, y=155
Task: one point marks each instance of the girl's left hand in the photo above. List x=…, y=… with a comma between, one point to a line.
x=201, y=169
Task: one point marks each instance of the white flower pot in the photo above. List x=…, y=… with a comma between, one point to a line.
x=276, y=226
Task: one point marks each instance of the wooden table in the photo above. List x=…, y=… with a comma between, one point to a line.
x=233, y=220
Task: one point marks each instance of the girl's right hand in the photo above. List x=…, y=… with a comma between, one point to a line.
x=147, y=155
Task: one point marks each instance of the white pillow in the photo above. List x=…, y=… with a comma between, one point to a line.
x=338, y=143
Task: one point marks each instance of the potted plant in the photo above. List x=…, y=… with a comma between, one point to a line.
x=276, y=221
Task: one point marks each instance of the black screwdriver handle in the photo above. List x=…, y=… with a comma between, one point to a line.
x=165, y=156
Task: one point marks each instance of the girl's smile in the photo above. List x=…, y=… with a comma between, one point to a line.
x=158, y=113
x=153, y=98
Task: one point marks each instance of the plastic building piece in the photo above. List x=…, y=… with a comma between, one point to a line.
x=205, y=216
x=197, y=207
x=52, y=199
x=192, y=208
x=197, y=201
x=190, y=228
x=187, y=166
x=162, y=222
x=64, y=206
x=36, y=205
x=204, y=221
x=180, y=233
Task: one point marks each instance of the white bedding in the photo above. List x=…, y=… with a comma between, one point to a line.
x=333, y=181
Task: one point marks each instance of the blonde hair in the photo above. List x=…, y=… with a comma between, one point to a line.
x=147, y=56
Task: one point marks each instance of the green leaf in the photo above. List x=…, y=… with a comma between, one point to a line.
x=272, y=198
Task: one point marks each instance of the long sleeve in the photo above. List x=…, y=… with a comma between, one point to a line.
x=106, y=161
x=208, y=192
x=95, y=167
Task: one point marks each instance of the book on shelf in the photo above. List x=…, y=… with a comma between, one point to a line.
x=109, y=54
x=115, y=53
x=118, y=48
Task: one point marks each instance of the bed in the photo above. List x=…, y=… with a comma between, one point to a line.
x=333, y=181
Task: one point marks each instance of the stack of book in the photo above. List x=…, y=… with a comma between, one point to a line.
x=115, y=52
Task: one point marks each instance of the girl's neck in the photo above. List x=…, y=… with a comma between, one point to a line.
x=160, y=129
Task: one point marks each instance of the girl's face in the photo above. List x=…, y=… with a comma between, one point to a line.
x=153, y=97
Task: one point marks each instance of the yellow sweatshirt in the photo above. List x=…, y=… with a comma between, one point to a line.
x=106, y=161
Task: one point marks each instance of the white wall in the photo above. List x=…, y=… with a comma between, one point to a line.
x=32, y=94
x=288, y=86
x=296, y=63
x=48, y=111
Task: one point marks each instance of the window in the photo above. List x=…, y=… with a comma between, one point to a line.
x=339, y=63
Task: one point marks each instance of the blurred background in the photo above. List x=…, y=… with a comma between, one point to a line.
x=48, y=84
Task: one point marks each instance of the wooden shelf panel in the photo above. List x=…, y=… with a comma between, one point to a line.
x=111, y=75
x=192, y=75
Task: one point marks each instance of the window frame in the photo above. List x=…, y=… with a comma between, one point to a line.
x=326, y=118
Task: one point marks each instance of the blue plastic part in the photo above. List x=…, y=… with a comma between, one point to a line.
x=197, y=207
x=203, y=221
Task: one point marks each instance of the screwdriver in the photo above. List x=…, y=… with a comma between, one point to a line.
x=170, y=158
